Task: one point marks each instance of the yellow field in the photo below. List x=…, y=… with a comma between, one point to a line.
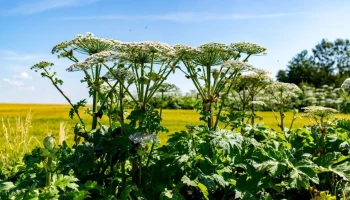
x=46, y=120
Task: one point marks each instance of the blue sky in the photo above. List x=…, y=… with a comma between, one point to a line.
x=30, y=28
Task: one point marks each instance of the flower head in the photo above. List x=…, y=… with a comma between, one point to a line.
x=85, y=44
x=238, y=66
x=185, y=52
x=145, y=52
x=42, y=65
x=258, y=103
x=121, y=74
x=248, y=48
x=97, y=58
x=283, y=93
x=49, y=143
x=142, y=139
x=346, y=85
x=319, y=111
x=212, y=54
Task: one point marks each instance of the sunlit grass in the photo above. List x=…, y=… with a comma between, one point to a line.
x=46, y=119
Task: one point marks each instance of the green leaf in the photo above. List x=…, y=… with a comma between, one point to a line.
x=126, y=192
x=5, y=186
x=168, y=193
x=81, y=195
x=220, y=180
x=302, y=173
x=64, y=182
x=90, y=185
x=187, y=181
x=204, y=190
x=342, y=170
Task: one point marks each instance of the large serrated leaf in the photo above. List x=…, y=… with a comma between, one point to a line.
x=204, y=190
x=5, y=186
x=188, y=181
x=220, y=180
x=342, y=170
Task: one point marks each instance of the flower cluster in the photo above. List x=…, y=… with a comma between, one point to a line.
x=185, y=52
x=257, y=78
x=346, y=85
x=97, y=58
x=42, y=65
x=319, y=111
x=325, y=96
x=121, y=74
x=144, y=52
x=236, y=65
x=258, y=103
x=211, y=54
x=142, y=139
x=85, y=44
x=168, y=87
x=283, y=93
x=247, y=48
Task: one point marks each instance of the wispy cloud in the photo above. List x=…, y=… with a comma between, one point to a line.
x=13, y=82
x=184, y=17
x=37, y=6
x=22, y=75
x=8, y=55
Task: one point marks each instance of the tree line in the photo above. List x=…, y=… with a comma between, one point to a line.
x=328, y=63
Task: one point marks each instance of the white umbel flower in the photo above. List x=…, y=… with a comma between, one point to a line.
x=238, y=65
x=248, y=48
x=346, y=85
x=97, y=58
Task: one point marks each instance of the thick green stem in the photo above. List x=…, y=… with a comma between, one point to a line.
x=49, y=171
x=123, y=174
x=252, y=122
x=121, y=108
x=121, y=83
x=153, y=144
x=95, y=98
x=208, y=104
x=142, y=85
x=220, y=109
x=282, y=118
x=140, y=170
x=243, y=104
x=66, y=97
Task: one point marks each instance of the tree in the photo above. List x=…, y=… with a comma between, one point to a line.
x=329, y=64
x=299, y=70
x=333, y=56
x=282, y=76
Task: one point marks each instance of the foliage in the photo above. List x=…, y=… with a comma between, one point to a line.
x=124, y=160
x=328, y=64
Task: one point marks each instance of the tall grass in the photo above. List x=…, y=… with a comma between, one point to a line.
x=17, y=139
x=22, y=131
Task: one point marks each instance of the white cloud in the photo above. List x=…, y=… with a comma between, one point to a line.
x=37, y=6
x=22, y=75
x=13, y=82
x=185, y=17
x=8, y=55
x=27, y=88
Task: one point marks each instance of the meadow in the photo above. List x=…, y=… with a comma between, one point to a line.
x=267, y=161
x=51, y=119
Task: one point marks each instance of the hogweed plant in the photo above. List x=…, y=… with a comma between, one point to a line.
x=87, y=45
x=212, y=67
x=45, y=69
x=248, y=86
x=120, y=161
x=166, y=88
x=281, y=95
